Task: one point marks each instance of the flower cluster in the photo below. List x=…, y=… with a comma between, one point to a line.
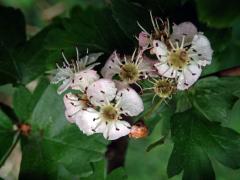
x=103, y=103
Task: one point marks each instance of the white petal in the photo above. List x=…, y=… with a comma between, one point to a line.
x=101, y=91
x=89, y=122
x=64, y=86
x=189, y=76
x=93, y=57
x=59, y=76
x=159, y=49
x=62, y=73
x=71, y=117
x=185, y=28
x=165, y=70
x=204, y=52
x=83, y=79
x=73, y=106
x=116, y=129
x=149, y=63
x=112, y=66
x=129, y=102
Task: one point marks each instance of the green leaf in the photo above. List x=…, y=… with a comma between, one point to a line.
x=237, y=93
x=219, y=63
x=24, y=63
x=21, y=103
x=9, y=69
x=224, y=48
x=55, y=143
x=33, y=58
x=128, y=14
x=211, y=12
x=99, y=170
x=12, y=27
x=235, y=116
x=183, y=101
x=196, y=140
x=213, y=97
x=143, y=165
x=236, y=32
x=6, y=136
x=156, y=143
x=117, y=174
x=42, y=85
x=12, y=35
x=90, y=28
x=24, y=101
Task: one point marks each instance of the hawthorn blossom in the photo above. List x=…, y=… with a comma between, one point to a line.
x=183, y=62
x=110, y=108
x=182, y=54
x=129, y=69
x=78, y=74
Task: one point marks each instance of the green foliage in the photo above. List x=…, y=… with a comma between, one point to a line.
x=144, y=165
x=226, y=49
x=56, y=149
x=235, y=116
x=127, y=15
x=211, y=12
x=213, y=97
x=21, y=103
x=117, y=174
x=98, y=32
x=6, y=136
x=195, y=140
x=12, y=34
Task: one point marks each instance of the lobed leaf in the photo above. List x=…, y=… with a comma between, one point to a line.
x=196, y=140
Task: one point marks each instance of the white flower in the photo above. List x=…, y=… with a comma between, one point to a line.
x=78, y=74
x=183, y=62
x=111, y=107
x=129, y=69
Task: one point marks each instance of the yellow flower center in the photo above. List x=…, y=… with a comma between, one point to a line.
x=109, y=113
x=129, y=73
x=178, y=58
x=164, y=88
